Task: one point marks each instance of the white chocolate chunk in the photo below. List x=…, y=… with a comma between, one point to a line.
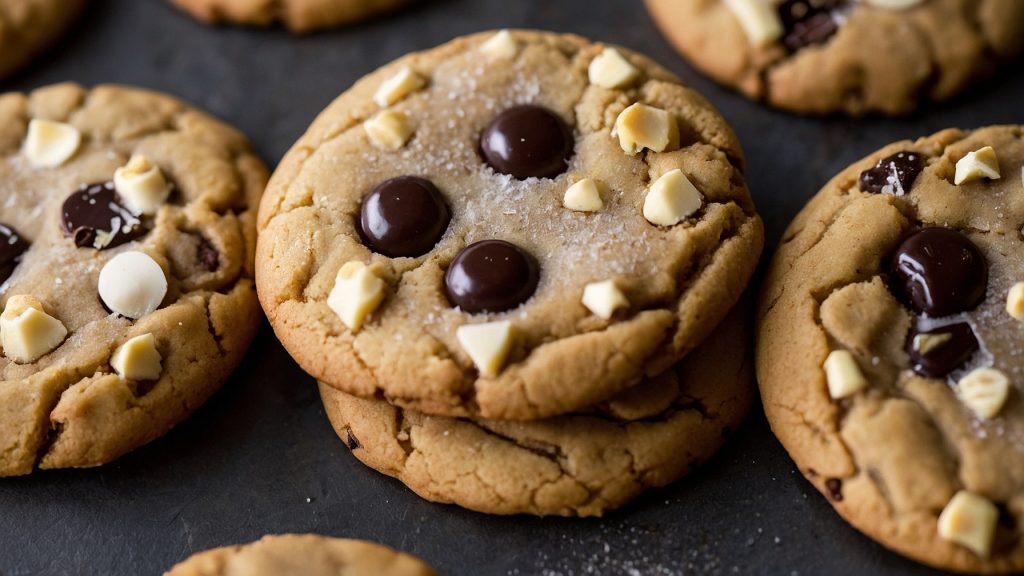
x=970, y=521
x=984, y=391
x=487, y=344
x=28, y=333
x=976, y=165
x=389, y=130
x=759, y=20
x=894, y=4
x=843, y=374
x=356, y=294
x=138, y=359
x=604, y=298
x=501, y=46
x=584, y=196
x=49, y=144
x=611, y=70
x=1015, y=301
x=141, y=185
x=926, y=343
x=671, y=199
x=403, y=83
x=641, y=126
x=132, y=284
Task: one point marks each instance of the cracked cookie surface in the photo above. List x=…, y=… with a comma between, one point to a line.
x=305, y=555
x=27, y=27
x=71, y=406
x=928, y=52
x=299, y=16
x=893, y=433
x=552, y=354
x=572, y=465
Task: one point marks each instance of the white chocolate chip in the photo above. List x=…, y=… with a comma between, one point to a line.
x=487, y=344
x=49, y=144
x=894, y=4
x=141, y=185
x=984, y=391
x=389, y=130
x=604, y=298
x=356, y=294
x=28, y=333
x=132, y=284
x=584, y=196
x=501, y=46
x=403, y=83
x=843, y=374
x=759, y=20
x=976, y=165
x=641, y=126
x=1015, y=301
x=671, y=199
x=970, y=521
x=138, y=359
x=926, y=343
x=611, y=70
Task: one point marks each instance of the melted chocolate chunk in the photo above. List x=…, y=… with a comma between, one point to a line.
x=207, y=255
x=808, y=22
x=12, y=246
x=491, y=276
x=835, y=489
x=940, y=351
x=526, y=141
x=94, y=217
x=404, y=217
x=893, y=175
x=940, y=272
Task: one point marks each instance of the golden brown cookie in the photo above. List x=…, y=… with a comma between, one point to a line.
x=574, y=465
x=302, y=555
x=127, y=233
x=299, y=16
x=889, y=352
x=511, y=226
x=27, y=27
x=851, y=56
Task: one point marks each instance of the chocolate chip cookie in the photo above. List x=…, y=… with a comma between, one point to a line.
x=302, y=555
x=127, y=233
x=513, y=225
x=889, y=355
x=812, y=56
x=574, y=465
x=27, y=27
x=298, y=16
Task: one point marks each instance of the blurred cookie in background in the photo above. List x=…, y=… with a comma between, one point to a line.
x=298, y=16
x=28, y=27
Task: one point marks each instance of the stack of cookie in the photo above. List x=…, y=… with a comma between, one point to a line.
x=510, y=261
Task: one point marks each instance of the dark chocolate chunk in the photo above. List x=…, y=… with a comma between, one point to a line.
x=807, y=22
x=939, y=272
x=207, y=255
x=525, y=141
x=941, y=350
x=404, y=217
x=12, y=246
x=350, y=440
x=835, y=489
x=95, y=218
x=491, y=276
x=893, y=175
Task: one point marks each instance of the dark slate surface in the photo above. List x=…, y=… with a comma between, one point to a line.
x=260, y=456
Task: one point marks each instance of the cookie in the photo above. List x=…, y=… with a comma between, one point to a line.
x=299, y=16
x=889, y=347
x=28, y=27
x=302, y=555
x=573, y=465
x=513, y=225
x=808, y=56
x=127, y=233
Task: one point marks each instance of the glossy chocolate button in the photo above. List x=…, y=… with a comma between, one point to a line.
x=893, y=175
x=95, y=209
x=526, y=141
x=951, y=346
x=12, y=246
x=940, y=272
x=404, y=216
x=807, y=22
x=491, y=276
